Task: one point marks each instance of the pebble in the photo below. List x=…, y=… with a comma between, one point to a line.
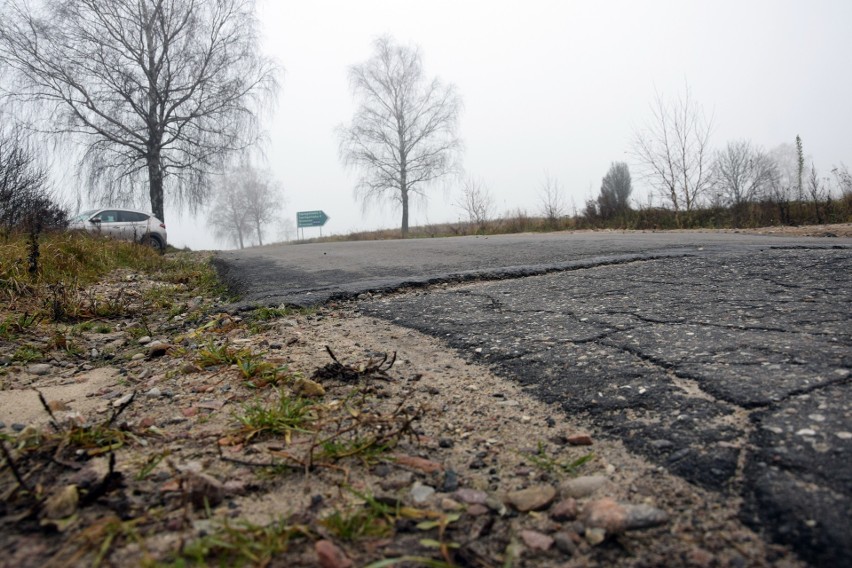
x=661, y=444
x=532, y=499
x=448, y=504
x=419, y=463
x=421, y=493
x=471, y=496
x=451, y=481
x=94, y=353
x=329, y=555
x=566, y=542
x=614, y=517
x=137, y=357
x=123, y=400
x=204, y=490
x=595, y=535
x=308, y=388
x=154, y=393
x=536, y=540
x=18, y=427
x=158, y=348
x=40, y=369
x=582, y=486
x=144, y=340
x=580, y=440
x=477, y=510
x=63, y=503
x=565, y=510
x=2, y=425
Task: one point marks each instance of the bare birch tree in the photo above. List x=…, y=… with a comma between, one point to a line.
x=246, y=201
x=742, y=174
x=476, y=201
x=552, y=199
x=674, y=149
x=262, y=198
x=157, y=92
x=403, y=134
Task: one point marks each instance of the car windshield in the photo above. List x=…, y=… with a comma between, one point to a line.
x=84, y=215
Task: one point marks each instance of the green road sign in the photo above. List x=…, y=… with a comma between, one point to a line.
x=310, y=219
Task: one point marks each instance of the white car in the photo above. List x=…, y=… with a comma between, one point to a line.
x=124, y=224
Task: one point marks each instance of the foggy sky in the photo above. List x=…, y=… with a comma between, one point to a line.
x=553, y=86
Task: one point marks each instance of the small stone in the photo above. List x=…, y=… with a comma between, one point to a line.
x=806, y=432
x=18, y=427
x=63, y=503
x=419, y=463
x=58, y=406
x=565, y=510
x=536, y=540
x=123, y=400
x=204, y=490
x=595, y=535
x=565, y=543
x=844, y=435
x=421, y=493
x=448, y=504
x=582, y=486
x=532, y=499
x=471, y=496
x=308, y=388
x=94, y=353
x=154, y=393
x=617, y=517
x=477, y=510
x=330, y=556
x=661, y=444
x=446, y=443
x=144, y=340
x=137, y=357
x=451, y=481
x=580, y=440
x=477, y=464
x=40, y=369
x=158, y=348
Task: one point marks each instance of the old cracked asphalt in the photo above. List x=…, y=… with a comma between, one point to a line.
x=725, y=358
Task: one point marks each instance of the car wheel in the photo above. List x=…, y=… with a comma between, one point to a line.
x=154, y=242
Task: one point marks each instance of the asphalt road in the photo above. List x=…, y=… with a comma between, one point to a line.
x=725, y=358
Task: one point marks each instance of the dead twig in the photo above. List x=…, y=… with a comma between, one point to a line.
x=53, y=421
x=13, y=466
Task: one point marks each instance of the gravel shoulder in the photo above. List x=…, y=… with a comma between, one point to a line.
x=484, y=475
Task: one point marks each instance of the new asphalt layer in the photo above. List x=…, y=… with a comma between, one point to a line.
x=725, y=358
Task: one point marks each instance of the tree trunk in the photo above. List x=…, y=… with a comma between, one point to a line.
x=259, y=234
x=155, y=182
x=404, y=213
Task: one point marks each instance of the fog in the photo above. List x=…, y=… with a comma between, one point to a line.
x=551, y=86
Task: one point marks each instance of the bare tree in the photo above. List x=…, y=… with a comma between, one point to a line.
x=817, y=190
x=263, y=198
x=476, y=201
x=157, y=92
x=784, y=185
x=674, y=149
x=226, y=214
x=842, y=179
x=741, y=174
x=25, y=192
x=616, y=188
x=246, y=201
x=403, y=134
x=552, y=199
